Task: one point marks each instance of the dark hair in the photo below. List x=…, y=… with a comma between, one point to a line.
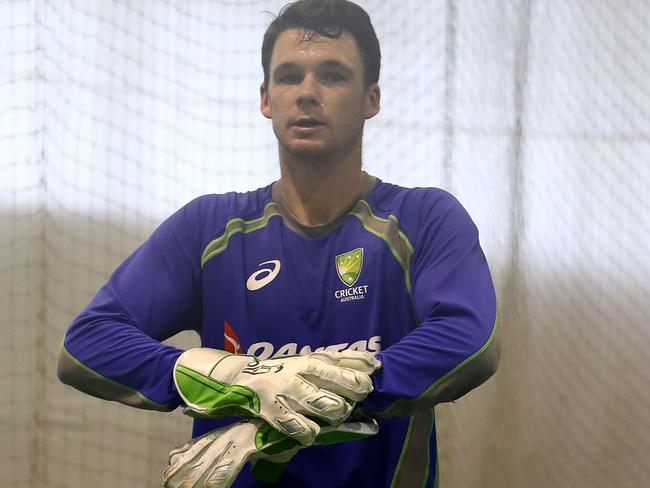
x=329, y=18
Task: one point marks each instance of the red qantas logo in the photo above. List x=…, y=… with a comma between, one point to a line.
x=230, y=340
x=266, y=350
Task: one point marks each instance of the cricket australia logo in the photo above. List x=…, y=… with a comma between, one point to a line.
x=348, y=267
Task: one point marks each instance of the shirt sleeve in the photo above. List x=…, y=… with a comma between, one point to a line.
x=112, y=349
x=453, y=349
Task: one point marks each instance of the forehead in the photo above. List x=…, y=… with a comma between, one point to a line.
x=297, y=46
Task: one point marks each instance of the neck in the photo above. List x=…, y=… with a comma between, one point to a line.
x=318, y=191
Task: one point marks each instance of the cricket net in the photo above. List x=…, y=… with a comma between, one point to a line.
x=536, y=115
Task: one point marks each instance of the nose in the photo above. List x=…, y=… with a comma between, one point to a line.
x=309, y=93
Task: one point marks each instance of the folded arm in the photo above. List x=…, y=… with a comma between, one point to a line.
x=112, y=349
x=454, y=348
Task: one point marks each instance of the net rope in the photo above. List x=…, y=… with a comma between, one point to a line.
x=536, y=115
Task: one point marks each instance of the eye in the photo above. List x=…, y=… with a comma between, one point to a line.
x=333, y=77
x=289, y=78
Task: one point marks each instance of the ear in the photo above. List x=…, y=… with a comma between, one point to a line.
x=373, y=96
x=265, y=103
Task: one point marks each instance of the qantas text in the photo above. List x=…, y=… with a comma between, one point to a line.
x=266, y=350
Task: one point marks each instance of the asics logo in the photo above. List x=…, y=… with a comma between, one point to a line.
x=254, y=281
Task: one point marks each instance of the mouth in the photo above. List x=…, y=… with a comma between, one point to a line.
x=307, y=123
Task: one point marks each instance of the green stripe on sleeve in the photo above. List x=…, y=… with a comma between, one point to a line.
x=388, y=230
x=78, y=375
x=232, y=227
x=428, y=397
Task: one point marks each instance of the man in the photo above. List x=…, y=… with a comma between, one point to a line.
x=389, y=283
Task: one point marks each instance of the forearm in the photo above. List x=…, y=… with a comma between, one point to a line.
x=115, y=361
x=113, y=348
x=435, y=363
x=455, y=346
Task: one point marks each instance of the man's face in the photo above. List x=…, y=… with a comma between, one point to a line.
x=316, y=95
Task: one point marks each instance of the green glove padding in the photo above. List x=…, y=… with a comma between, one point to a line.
x=283, y=391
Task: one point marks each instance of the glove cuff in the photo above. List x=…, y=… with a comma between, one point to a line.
x=209, y=396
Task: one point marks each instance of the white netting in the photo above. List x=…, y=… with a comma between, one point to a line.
x=536, y=115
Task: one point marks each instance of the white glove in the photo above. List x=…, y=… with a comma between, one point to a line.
x=282, y=391
x=215, y=459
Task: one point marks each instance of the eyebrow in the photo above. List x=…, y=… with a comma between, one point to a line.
x=330, y=63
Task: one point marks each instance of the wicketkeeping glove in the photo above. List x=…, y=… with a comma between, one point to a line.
x=215, y=459
x=282, y=391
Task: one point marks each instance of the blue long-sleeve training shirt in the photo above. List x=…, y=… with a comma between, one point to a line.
x=401, y=274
